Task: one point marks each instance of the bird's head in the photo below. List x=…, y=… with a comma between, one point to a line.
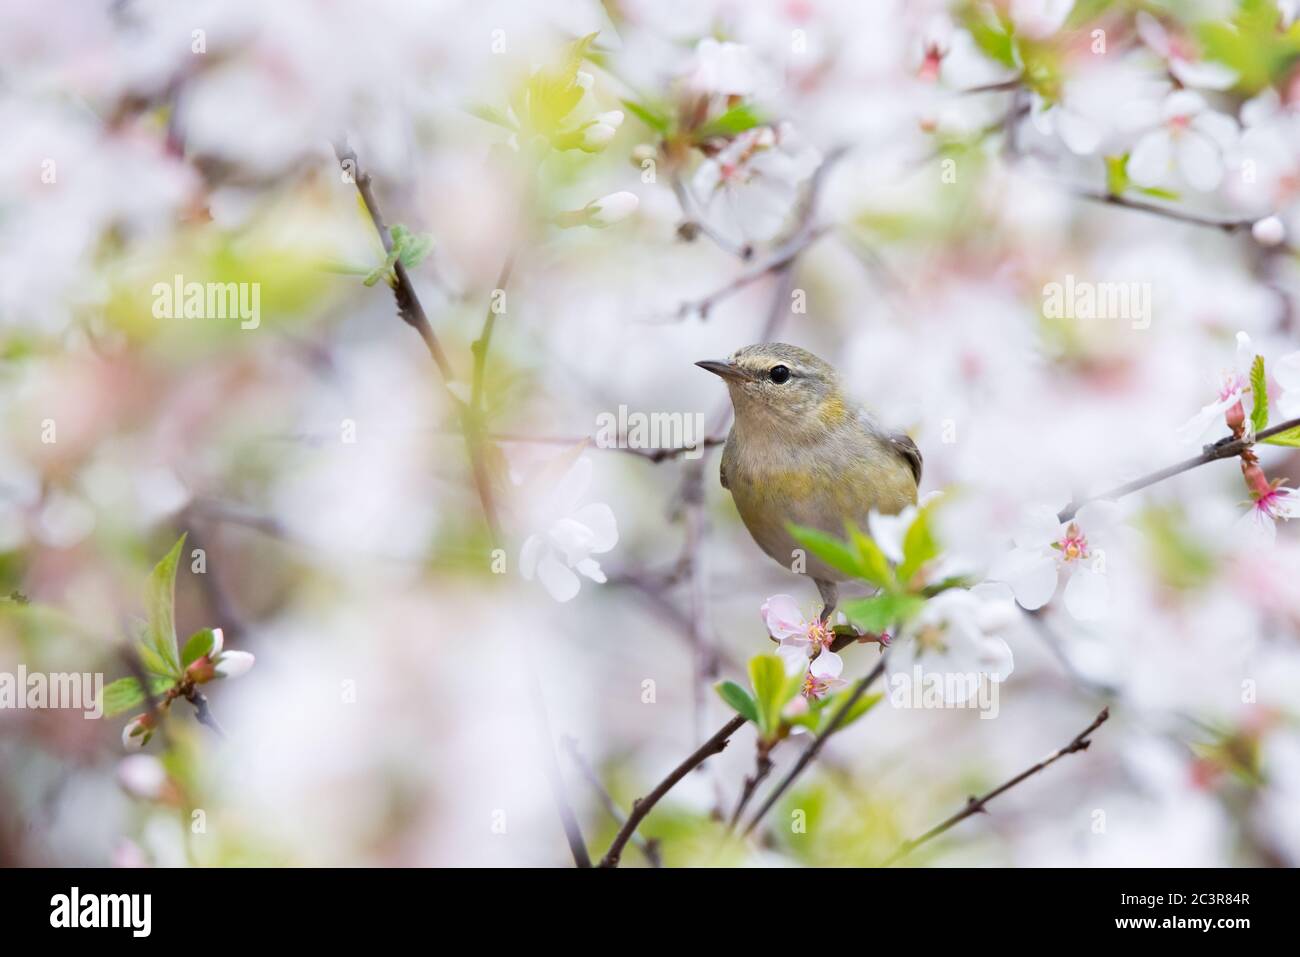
x=783, y=387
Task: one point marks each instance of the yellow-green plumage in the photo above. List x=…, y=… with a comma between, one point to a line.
x=800, y=452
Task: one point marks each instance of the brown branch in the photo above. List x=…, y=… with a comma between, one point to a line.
x=1225, y=448
x=762, y=768
x=1167, y=212
x=412, y=312
x=812, y=750
x=642, y=806
x=976, y=805
x=408, y=301
x=781, y=258
x=693, y=224
x=202, y=712
x=551, y=765
x=650, y=848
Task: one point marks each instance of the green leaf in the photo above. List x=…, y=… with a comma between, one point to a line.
x=414, y=248
x=860, y=707
x=872, y=563
x=121, y=695
x=382, y=269
x=160, y=638
x=199, y=644
x=736, y=120
x=880, y=612
x=738, y=699
x=1259, y=395
x=1290, y=438
x=828, y=548
x=1117, y=174
x=992, y=34
x=919, y=545
x=651, y=117
x=126, y=693
x=773, y=688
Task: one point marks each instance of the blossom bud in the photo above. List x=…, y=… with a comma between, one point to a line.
x=610, y=209
x=1268, y=231
x=1256, y=480
x=596, y=137
x=142, y=776
x=201, y=670
x=137, y=732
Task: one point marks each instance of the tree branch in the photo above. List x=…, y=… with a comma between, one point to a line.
x=976, y=805
x=650, y=848
x=642, y=806
x=1225, y=448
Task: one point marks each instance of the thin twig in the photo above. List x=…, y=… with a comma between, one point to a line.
x=650, y=848
x=412, y=312
x=782, y=257
x=694, y=225
x=643, y=806
x=976, y=805
x=409, y=306
x=1168, y=212
x=1225, y=448
x=569, y=821
x=811, y=751
x=762, y=767
x=203, y=712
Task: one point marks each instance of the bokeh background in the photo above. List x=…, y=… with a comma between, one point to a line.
x=406, y=693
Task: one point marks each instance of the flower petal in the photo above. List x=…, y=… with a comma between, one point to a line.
x=1087, y=594
x=1199, y=161
x=1031, y=575
x=827, y=665
x=557, y=578
x=232, y=664
x=528, y=556
x=783, y=618
x=1148, y=164
x=598, y=517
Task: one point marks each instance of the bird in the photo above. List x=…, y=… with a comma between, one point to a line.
x=801, y=452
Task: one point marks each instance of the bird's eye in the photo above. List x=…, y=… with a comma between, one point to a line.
x=779, y=374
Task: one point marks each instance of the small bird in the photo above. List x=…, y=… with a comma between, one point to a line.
x=801, y=453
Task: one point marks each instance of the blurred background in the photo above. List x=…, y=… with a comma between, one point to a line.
x=894, y=186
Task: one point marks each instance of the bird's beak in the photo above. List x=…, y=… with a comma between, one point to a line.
x=728, y=370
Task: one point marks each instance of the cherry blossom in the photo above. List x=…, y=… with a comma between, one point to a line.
x=800, y=637
x=1188, y=142
x=1234, y=392
x=568, y=536
x=723, y=69
x=956, y=634
x=1048, y=550
x=1270, y=501
x=754, y=180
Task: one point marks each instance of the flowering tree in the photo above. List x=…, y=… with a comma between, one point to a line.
x=320, y=319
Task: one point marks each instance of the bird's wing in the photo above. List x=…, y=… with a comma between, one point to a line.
x=722, y=475
x=902, y=443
